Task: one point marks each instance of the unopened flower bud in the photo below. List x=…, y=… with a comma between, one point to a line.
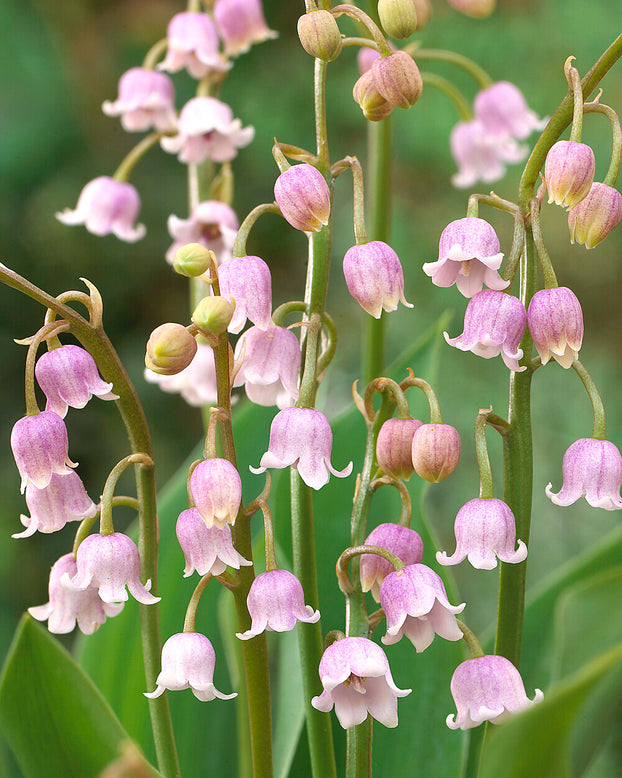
x=478, y=9
x=394, y=447
x=398, y=17
x=170, y=349
x=319, y=35
x=436, y=451
x=302, y=194
x=397, y=79
x=373, y=104
x=191, y=260
x=213, y=314
x=374, y=276
x=569, y=172
x=591, y=220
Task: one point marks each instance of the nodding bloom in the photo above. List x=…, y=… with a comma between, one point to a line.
x=146, y=99
x=394, y=447
x=487, y=688
x=591, y=220
x=206, y=129
x=63, y=499
x=212, y=224
x=479, y=156
x=402, y=541
x=241, y=23
x=592, y=469
x=374, y=106
x=468, y=256
x=206, y=549
x=216, y=490
x=302, y=194
x=415, y=603
x=269, y=364
x=193, y=44
x=249, y=282
x=397, y=79
x=569, y=172
x=357, y=680
x=302, y=438
x=67, y=606
x=106, y=205
x=188, y=661
x=435, y=451
x=555, y=321
x=196, y=383
x=374, y=276
x=110, y=563
x=485, y=529
x=504, y=112
x=276, y=602
x=41, y=448
x=494, y=323
x=68, y=377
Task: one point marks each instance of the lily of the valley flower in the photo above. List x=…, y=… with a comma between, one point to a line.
x=555, y=321
x=216, y=489
x=592, y=469
x=146, y=99
x=41, y=448
x=249, y=282
x=591, y=220
x=479, y=156
x=374, y=276
x=212, y=224
x=404, y=542
x=241, y=23
x=302, y=194
x=569, y=172
x=196, y=383
x=206, y=549
x=503, y=110
x=193, y=44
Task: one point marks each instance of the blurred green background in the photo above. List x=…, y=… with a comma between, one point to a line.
x=60, y=61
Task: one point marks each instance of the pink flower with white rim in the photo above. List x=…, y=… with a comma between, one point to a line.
x=555, y=321
x=216, y=490
x=63, y=499
x=479, y=156
x=193, y=44
x=269, y=363
x=188, y=662
x=415, y=603
x=504, y=112
x=67, y=606
x=206, y=129
x=206, y=549
x=374, y=276
x=591, y=220
x=569, y=172
x=592, y=469
x=485, y=529
x=249, y=282
x=68, y=377
x=404, y=542
x=394, y=447
x=487, y=688
x=302, y=194
x=276, y=603
x=468, y=256
x=146, y=99
x=106, y=205
x=494, y=323
x=110, y=563
x=357, y=680
x=41, y=448
x=302, y=438
x=212, y=224
x=241, y=23
x=196, y=383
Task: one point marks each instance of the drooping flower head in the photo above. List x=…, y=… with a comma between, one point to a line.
x=591, y=220
x=504, y=112
x=241, y=23
x=63, y=499
x=480, y=156
x=196, y=383
x=435, y=451
x=41, y=448
x=206, y=549
x=365, y=93
x=249, y=282
x=302, y=194
x=357, y=680
x=216, y=489
x=106, y=205
x=555, y=321
x=374, y=276
x=302, y=438
x=211, y=224
x=397, y=79
x=146, y=99
x=402, y=541
x=193, y=44
x=592, y=469
x=394, y=447
x=487, y=688
x=569, y=172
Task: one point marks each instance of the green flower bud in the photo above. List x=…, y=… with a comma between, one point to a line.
x=192, y=260
x=398, y=17
x=319, y=35
x=213, y=314
x=170, y=349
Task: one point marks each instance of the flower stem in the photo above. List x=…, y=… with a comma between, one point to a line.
x=599, y=429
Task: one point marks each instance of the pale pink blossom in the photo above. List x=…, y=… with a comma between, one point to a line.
x=193, y=44
x=402, y=541
x=591, y=220
x=394, y=447
x=241, y=23
x=569, y=172
x=248, y=281
x=592, y=469
x=41, y=448
x=503, y=110
x=480, y=156
x=302, y=194
x=146, y=99
x=555, y=321
x=212, y=224
x=206, y=549
x=216, y=490
x=374, y=277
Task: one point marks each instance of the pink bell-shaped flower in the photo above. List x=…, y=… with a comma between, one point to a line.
x=592, y=469
x=374, y=276
x=67, y=606
x=394, y=447
x=269, y=364
x=241, y=23
x=206, y=549
x=503, y=111
x=494, y=323
x=415, y=603
x=106, y=205
x=206, y=129
x=212, y=224
x=397, y=79
x=276, y=602
x=468, y=256
x=302, y=194
x=188, y=662
x=216, y=490
x=555, y=321
x=480, y=156
x=485, y=529
x=193, y=44
x=110, y=563
x=569, y=172
x=146, y=99
x=196, y=383
x=68, y=377
x=249, y=282
x=591, y=220
x=302, y=438
x=402, y=541
x=435, y=451
x=487, y=688
x=478, y=9
x=357, y=681
x=63, y=499
x=41, y=448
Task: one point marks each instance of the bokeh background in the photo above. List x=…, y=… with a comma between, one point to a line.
x=59, y=62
